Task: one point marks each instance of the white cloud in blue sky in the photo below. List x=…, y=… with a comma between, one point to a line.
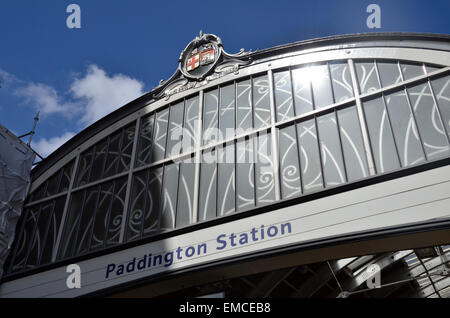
x=89, y=98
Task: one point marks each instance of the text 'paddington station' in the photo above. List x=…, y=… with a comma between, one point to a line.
x=223, y=241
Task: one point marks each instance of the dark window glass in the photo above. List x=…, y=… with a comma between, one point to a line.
x=185, y=194
x=170, y=188
x=208, y=186
x=153, y=203
x=159, y=146
x=245, y=192
x=113, y=156
x=175, y=130
x=264, y=173
x=145, y=144
x=210, y=118
x=227, y=111
x=54, y=220
x=191, y=123
x=226, y=180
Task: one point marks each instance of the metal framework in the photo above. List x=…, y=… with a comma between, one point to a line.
x=347, y=59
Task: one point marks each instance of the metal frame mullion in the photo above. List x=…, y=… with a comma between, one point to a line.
x=129, y=179
x=296, y=133
x=108, y=215
x=147, y=179
x=235, y=144
x=274, y=131
x=179, y=166
x=341, y=146
x=254, y=140
x=66, y=207
x=383, y=98
x=412, y=113
x=362, y=120
x=198, y=139
x=444, y=126
x=91, y=232
x=46, y=231
x=35, y=228
x=316, y=126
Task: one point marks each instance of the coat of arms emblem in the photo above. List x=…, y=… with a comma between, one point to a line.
x=203, y=55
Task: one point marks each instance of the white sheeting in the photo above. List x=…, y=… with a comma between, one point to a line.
x=16, y=160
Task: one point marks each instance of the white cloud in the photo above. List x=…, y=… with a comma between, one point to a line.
x=45, y=99
x=103, y=94
x=44, y=146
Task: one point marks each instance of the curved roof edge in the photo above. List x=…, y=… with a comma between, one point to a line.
x=139, y=102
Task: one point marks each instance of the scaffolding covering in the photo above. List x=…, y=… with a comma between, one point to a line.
x=16, y=160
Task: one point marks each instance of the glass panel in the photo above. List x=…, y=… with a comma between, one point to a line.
x=441, y=89
x=367, y=77
x=170, y=188
x=190, y=124
x=39, y=235
x=208, y=186
x=87, y=220
x=264, y=175
x=139, y=196
x=289, y=163
x=283, y=95
x=66, y=176
x=71, y=224
x=159, y=146
x=302, y=90
x=411, y=70
x=381, y=139
x=26, y=237
x=143, y=155
x=175, y=130
x=342, y=82
x=309, y=156
x=405, y=130
x=333, y=166
x=127, y=147
x=226, y=180
x=227, y=111
x=244, y=105
x=101, y=215
x=429, y=121
x=84, y=167
x=153, y=204
x=261, y=101
x=185, y=194
x=245, y=191
x=113, y=157
x=210, y=121
x=53, y=184
x=54, y=220
x=99, y=160
x=116, y=212
x=321, y=85
x=389, y=73
x=352, y=144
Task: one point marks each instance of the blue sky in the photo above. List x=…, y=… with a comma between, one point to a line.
x=123, y=48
